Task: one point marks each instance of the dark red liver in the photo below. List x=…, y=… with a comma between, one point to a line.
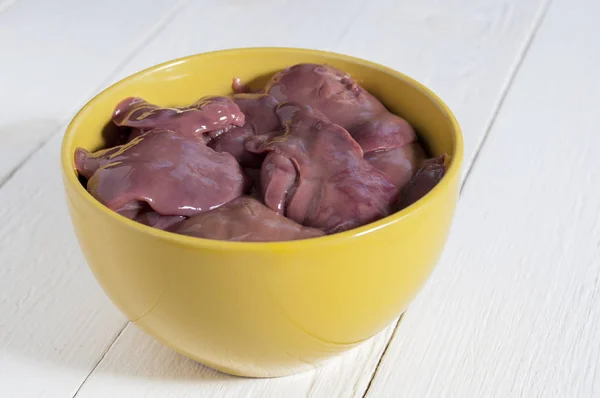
x=207, y=117
x=244, y=219
x=174, y=174
x=315, y=174
x=344, y=102
x=260, y=118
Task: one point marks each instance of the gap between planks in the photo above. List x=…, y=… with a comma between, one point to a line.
x=154, y=31
x=387, y=345
x=101, y=358
x=537, y=22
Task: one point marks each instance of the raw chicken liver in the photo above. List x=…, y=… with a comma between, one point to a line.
x=399, y=163
x=423, y=181
x=244, y=219
x=315, y=174
x=312, y=153
x=260, y=118
x=344, y=102
x=210, y=114
x=142, y=212
x=174, y=174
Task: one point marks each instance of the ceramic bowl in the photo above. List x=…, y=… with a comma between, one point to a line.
x=263, y=309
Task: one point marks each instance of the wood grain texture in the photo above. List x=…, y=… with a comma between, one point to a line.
x=56, y=54
x=140, y=367
x=465, y=51
x=513, y=309
x=56, y=323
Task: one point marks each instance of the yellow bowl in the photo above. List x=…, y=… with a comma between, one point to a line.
x=263, y=309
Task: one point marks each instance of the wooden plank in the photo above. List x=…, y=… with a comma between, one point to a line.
x=55, y=321
x=140, y=367
x=476, y=76
x=6, y=4
x=513, y=309
x=464, y=51
x=55, y=54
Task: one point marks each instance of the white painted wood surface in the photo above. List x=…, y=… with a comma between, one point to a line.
x=55, y=54
x=54, y=320
x=60, y=336
x=513, y=309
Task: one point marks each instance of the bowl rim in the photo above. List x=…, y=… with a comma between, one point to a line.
x=452, y=172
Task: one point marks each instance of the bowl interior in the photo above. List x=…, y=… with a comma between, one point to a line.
x=181, y=82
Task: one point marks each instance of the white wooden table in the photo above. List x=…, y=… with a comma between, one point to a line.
x=513, y=308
